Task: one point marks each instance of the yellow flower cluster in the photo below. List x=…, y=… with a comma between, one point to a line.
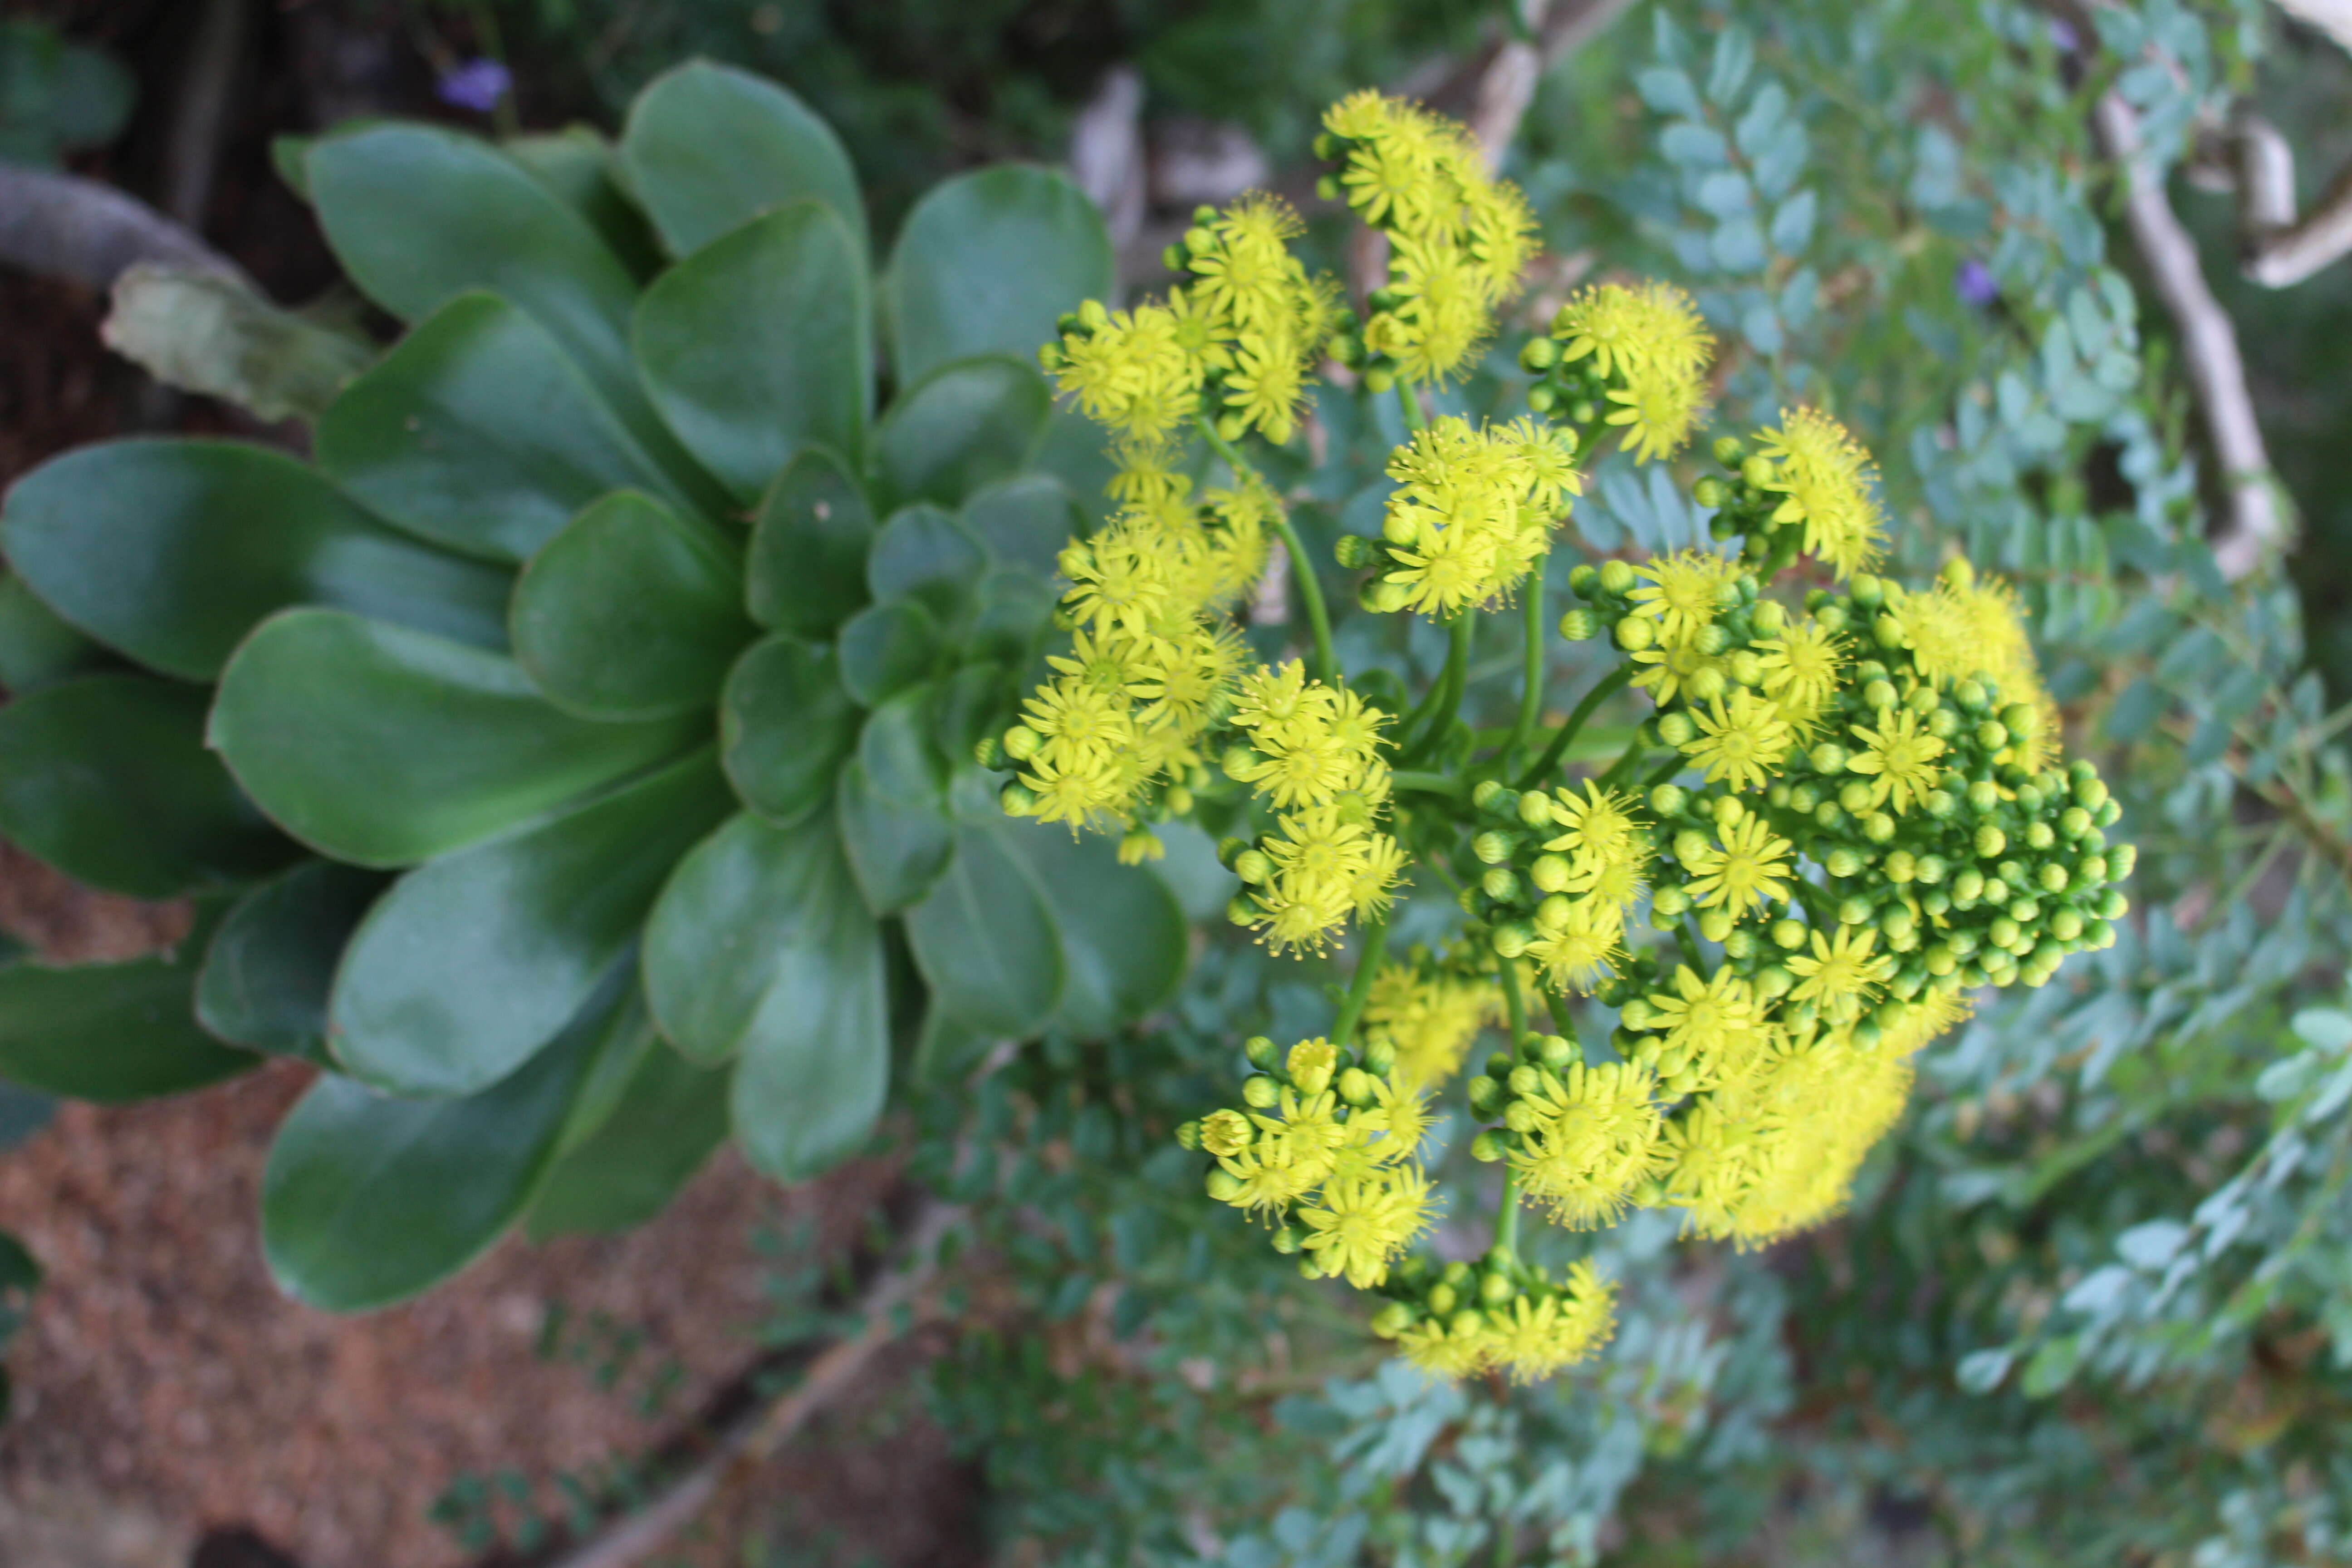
x=1427, y=1011
x=1153, y=663
x=1473, y=512
x=1650, y=352
x=1503, y=1317
x=1313, y=755
x=1595, y=859
x=1964, y=628
x=1828, y=485
x=1458, y=238
x=1332, y=1142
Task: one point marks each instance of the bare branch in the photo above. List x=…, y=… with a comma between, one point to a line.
x=634, y=1536
x=2333, y=18
x=62, y=226
x=2253, y=525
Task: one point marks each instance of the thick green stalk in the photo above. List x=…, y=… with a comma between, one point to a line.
x=1532, y=671
x=1411, y=403
x=1368, y=966
x=1603, y=690
x=1506, y=1216
x=1624, y=762
x=1427, y=783
x=1302, y=570
x=1444, y=698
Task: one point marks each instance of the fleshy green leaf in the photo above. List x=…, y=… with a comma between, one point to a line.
x=671, y=1117
x=762, y=343
x=173, y=551
x=712, y=148
x=987, y=262
x=971, y=422
x=898, y=851
x=269, y=968
x=113, y=1032
x=368, y=1200
x=886, y=648
x=1012, y=609
x=785, y=725
x=633, y=612
x=1123, y=934
x=36, y=646
x=762, y=950
x=1026, y=521
x=418, y=216
x=383, y=746
x=478, y=432
x=806, y=566
x=471, y=963
x=106, y=777
x=585, y=171
x=986, y=939
x=925, y=555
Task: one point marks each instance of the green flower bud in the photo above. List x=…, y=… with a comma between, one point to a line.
x=1558, y=1052
x=1512, y=940
x=1940, y=959
x=1901, y=866
x=1843, y=861
x=1495, y=1288
x=1943, y=723
x=1535, y=808
x=1772, y=982
x=2053, y=878
x=1352, y=550
x=1854, y=795
x=1488, y=1148
x=1831, y=617
x=1579, y=625
x=1584, y=579
x=1484, y=1095
x=1224, y=1186
x=1539, y=353
x=2113, y=905
x=1445, y=1295
x=1675, y=728
x=1668, y=800
x=1289, y=1239
x=1633, y=633
x=1770, y=619
x=1971, y=696
x=2091, y=792
x=1520, y=1117
x=1711, y=640
x=1715, y=924
x=1898, y=924
x=1262, y=1052
x=1989, y=842
x=1379, y=1055
x=1710, y=492
x=2002, y=933
x=2121, y=859
x=1968, y=887
x=1922, y=699
x=1878, y=828
x=1879, y=694
x=2038, y=836
x=1671, y=902
x=2108, y=814
x=1740, y=942
x=1853, y=912
x=1261, y=1091
x=1252, y=867
x=2018, y=716
x=1829, y=758
x=1941, y=804
x=1187, y=1135
x=1804, y=798
x=1500, y=884
x=2093, y=869
x=1617, y=578
x=1485, y=792
x=1637, y=1014
x=1930, y=869
x=2029, y=799
x=1015, y=799
x=1828, y=815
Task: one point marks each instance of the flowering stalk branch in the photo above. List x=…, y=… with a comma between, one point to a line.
x=1444, y=698
x=1426, y=782
x=1411, y=403
x=1368, y=968
x=1608, y=686
x=1507, y=1215
x=1302, y=567
x=1532, y=610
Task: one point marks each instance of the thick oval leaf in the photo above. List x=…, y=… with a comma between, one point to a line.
x=762, y=343
x=418, y=216
x=1026, y=521
x=785, y=725
x=670, y=1118
x=113, y=1032
x=806, y=567
x=383, y=746
x=709, y=148
x=267, y=971
x=896, y=851
x=472, y=964
x=925, y=555
x=172, y=550
x=975, y=702
x=478, y=432
x=1011, y=610
x=884, y=649
x=106, y=777
x=36, y=646
x=1123, y=933
x=987, y=262
x=633, y=612
x=368, y=1200
x=762, y=950
x=584, y=170
x=971, y=422
x=986, y=939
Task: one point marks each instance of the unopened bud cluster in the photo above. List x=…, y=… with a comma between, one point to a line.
x=1501, y=1313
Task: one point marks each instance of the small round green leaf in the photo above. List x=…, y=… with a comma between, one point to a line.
x=925, y=555
x=269, y=970
x=418, y=216
x=762, y=343
x=1026, y=521
x=173, y=551
x=761, y=950
x=368, y=1200
x=969, y=423
x=478, y=432
x=785, y=725
x=710, y=148
x=1123, y=933
x=671, y=1117
x=36, y=646
x=986, y=264
x=986, y=939
x=896, y=851
x=886, y=648
x=806, y=566
x=472, y=964
x=384, y=747
x=634, y=611
x=113, y=1032
x=107, y=778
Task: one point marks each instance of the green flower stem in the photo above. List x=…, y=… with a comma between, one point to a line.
x=1663, y=772
x=1411, y=403
x=1605, y=688
x=1444, y=698
x=1506, y=1216
x=1427, y=784
x=1302, y=570
x=1563, y=1022
x=1532, y=675
x=1368, y=966
x=1689, y=944
x=1624, y=762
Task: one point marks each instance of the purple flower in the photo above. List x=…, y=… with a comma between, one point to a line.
x=1972, y=281
x=478, y=85
x=2063, y=34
